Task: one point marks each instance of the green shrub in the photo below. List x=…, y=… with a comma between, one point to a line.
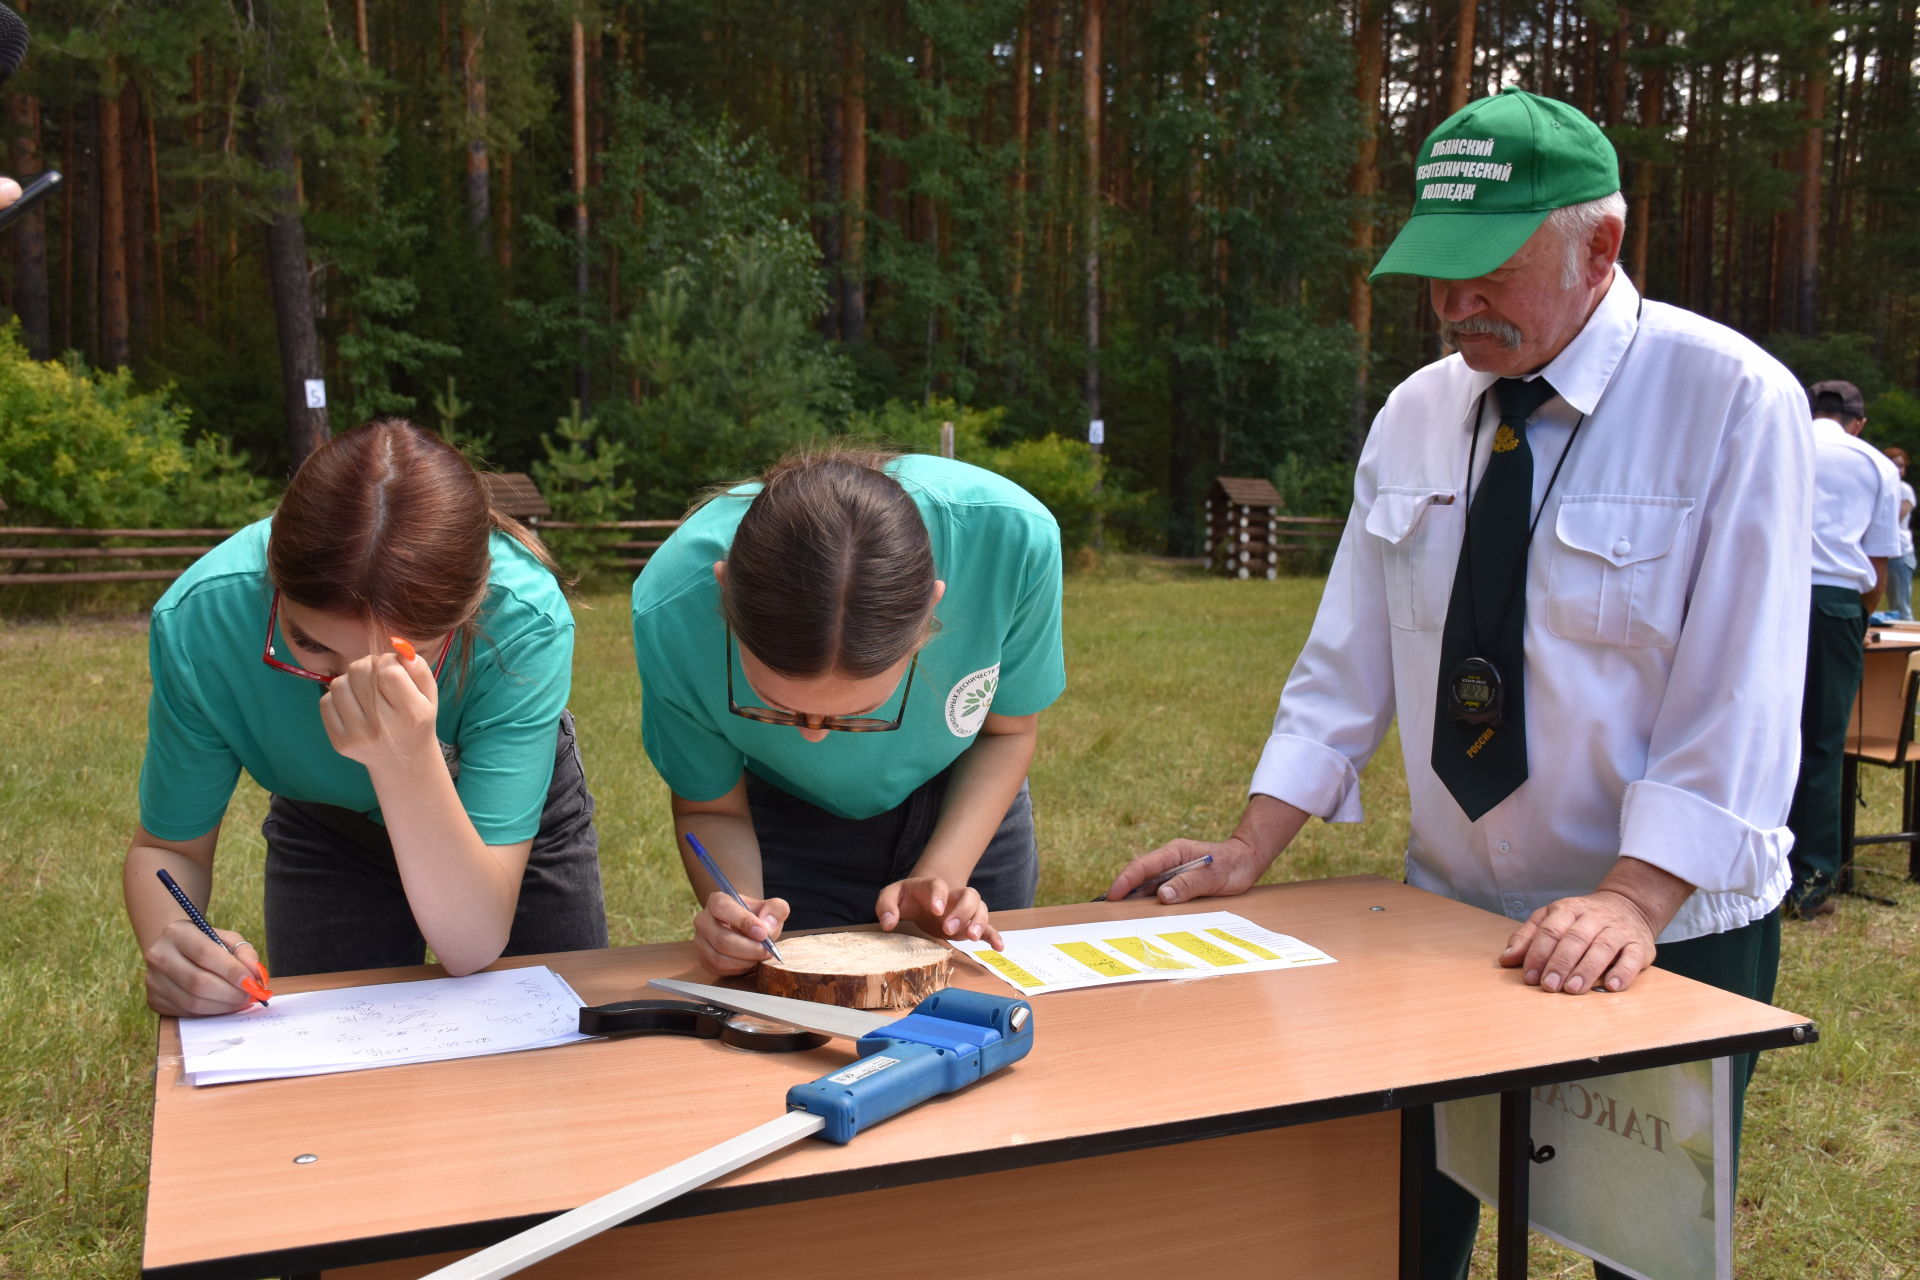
x=84, y=449
x=1058, y=471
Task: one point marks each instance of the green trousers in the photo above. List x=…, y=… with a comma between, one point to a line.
x=1836, y=634
x=1745, y=961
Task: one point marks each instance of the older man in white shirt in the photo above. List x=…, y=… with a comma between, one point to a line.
x=1856, y=530
x=1594, y=521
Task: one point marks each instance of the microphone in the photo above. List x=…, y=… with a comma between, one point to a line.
x=13, y=42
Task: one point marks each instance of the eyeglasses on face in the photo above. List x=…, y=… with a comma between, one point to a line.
x=800, y=720
x=267, y=655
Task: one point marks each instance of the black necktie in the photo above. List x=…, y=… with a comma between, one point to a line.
x=1479, y=726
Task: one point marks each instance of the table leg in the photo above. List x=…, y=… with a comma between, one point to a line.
x=1412, y=1166
x=1516, y=1163
x=1910, y=804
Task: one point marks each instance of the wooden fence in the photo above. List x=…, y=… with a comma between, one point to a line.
x=38, y=562
x=1308, y=541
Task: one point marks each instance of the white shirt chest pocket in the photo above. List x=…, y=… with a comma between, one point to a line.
x=1419, y=526
x=1618, y=573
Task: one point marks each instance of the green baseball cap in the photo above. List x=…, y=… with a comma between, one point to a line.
x=1488, y=177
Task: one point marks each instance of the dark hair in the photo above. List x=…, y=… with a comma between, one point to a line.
x=831, y=569
x=388, y=522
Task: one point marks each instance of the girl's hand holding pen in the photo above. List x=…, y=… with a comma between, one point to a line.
x=189, y=976
x=730, y=937
x=195, y=969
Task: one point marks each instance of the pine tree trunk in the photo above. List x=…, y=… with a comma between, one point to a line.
x=582, y=375
x=853, y=151
x=1652, y=95
x=159, y=230
x=1022, y=118
x=287, y=270
x=1460, y=74
x=479, y=211
x=113, y=227
x=503, y=215
x=1816, y=104
x=136, y=181
x=30, y=297
x=1090, y=127
x=202, y=251
x=1363, y=183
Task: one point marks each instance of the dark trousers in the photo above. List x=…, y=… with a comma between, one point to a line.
x=1745, y=961
x=334, y=899
x=831, y=869
x=1836, y=636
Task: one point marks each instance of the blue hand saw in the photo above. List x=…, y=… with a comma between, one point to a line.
x=951, y=1039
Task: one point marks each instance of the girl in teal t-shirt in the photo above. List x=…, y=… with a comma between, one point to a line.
x=390, y=659
x=842, y=668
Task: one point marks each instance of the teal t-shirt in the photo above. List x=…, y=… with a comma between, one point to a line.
x=217, y=708
x=998, y=647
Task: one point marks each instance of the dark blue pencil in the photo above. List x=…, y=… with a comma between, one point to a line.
x=249, y=985
x=720, y=878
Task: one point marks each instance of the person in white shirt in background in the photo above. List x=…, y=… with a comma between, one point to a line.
x=1662, y=605
x=1856, y=531
x=1900, y=568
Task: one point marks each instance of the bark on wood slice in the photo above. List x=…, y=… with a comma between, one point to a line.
x=857, y=970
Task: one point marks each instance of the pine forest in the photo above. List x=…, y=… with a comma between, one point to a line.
x=640, y=246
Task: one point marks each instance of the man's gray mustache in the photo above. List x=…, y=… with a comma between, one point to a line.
x=1508, y=336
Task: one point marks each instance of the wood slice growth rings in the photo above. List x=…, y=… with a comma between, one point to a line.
x=857, y=970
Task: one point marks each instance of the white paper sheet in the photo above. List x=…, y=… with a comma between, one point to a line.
x=354, y=1028
x=1201, y=944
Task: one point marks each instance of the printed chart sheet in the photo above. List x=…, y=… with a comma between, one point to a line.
x=1202, y=944
x=352, y=1028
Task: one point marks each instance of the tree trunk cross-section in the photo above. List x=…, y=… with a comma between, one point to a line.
x=857, y=970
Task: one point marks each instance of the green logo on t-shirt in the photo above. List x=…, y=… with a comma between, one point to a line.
x=970, y=700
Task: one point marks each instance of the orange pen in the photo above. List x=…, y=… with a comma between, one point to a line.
x=403, y=647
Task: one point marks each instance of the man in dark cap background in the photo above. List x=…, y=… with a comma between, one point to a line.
x=1856, y=529
x=1575, y=571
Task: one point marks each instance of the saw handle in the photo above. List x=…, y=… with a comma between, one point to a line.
x=950, y=1040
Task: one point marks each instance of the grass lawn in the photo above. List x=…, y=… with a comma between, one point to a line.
x=1172, y=682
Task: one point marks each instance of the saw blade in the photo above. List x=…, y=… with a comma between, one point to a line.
x=808, y=1015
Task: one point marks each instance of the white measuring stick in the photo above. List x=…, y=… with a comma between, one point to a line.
x=614, y=1208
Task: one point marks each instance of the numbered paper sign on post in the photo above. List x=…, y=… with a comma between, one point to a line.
x=316, y=393
x=1641, y=1175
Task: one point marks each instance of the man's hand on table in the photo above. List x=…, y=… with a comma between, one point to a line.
x=1266, y=827
x=1604, y=937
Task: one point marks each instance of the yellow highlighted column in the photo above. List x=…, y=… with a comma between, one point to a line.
x=1218, y=957
x=1144, y=953
x=1095, y=959
x=1008, y=969
x=1244, y=945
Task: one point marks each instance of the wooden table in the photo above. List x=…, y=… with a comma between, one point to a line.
x=1880, y=730
x=1224, y=1123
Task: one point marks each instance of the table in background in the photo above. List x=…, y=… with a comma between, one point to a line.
x=1880, y=732
x=1214, y=1125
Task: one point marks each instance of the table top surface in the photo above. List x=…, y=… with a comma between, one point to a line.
x=454, y=1154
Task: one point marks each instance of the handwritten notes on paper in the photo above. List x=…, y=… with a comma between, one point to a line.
x=352, y=1028
x=1200, y=944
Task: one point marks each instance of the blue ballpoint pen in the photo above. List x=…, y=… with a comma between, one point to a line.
x=720, y=878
